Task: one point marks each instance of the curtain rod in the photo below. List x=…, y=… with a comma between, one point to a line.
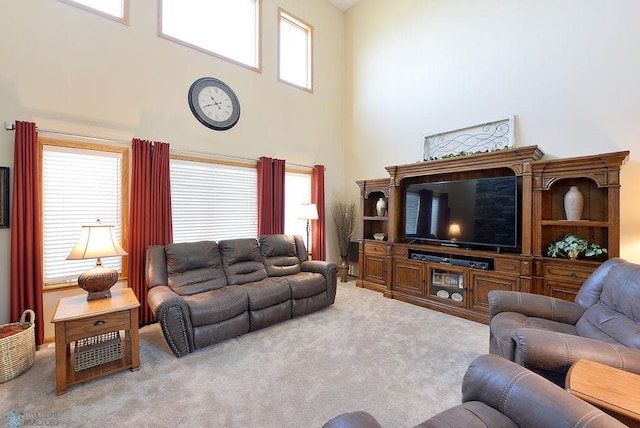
x=11, y=126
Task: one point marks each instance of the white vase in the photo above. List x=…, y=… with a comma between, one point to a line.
x=381, y=207
x=573, y=203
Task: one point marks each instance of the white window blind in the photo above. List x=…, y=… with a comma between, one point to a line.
x=79, y=187
x=297, y=191
x=212, y=201
x=413, y=205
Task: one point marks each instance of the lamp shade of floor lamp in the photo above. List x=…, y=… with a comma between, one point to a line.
x=95, y=242
x=308, y=212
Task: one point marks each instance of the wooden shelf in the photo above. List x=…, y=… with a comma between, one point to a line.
x=375, y=218
x=577, y=223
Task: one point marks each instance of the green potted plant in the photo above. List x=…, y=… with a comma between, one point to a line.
x=343, y=214
x=572, y=245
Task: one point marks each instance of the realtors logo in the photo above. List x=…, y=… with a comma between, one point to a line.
x=14, y=419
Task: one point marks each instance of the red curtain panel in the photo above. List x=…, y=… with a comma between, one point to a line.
x=26, y=237
x=149, y=213
x=319, y=229
x=271, y=174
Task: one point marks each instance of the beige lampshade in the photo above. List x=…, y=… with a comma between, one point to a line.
x=96, y=241
x=308, y=212
x=454, y=230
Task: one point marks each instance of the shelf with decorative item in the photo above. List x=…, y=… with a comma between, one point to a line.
x=572, y=246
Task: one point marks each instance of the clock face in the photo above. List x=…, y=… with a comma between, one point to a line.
x=214, y=104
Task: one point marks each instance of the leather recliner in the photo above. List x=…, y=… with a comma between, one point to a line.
x=547, y=335
x=500, y=393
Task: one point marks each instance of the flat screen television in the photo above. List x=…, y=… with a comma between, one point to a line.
x=474, y=213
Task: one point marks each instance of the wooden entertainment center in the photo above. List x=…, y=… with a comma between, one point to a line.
x=457, y=280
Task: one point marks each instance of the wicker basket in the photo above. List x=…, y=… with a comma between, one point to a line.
x=18, y=351
x=96, y=350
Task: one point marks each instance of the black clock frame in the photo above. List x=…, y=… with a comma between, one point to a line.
x=194, y=91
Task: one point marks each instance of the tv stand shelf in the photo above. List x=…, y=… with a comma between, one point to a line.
x=414, y=271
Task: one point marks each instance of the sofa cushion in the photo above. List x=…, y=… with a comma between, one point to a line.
x=268, y=292
x=194, y=267
x=217, y=305
x=241, y=261
x=279, y=254
x=602, y=323
x=306, y=284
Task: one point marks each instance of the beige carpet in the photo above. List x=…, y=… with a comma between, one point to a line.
x=400, y=362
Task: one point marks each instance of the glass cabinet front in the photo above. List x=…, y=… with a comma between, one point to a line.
x=447, y=284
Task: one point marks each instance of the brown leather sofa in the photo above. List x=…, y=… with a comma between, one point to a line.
x=205, y=292
x=547, y=335
x=499, y=393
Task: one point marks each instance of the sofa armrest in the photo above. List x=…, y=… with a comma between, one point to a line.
x=172, y=312
x=534, y=305
x=525, y=397
x=552, y=352
x=328, y=270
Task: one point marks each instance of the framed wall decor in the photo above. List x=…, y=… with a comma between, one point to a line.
x=4, y=197
x=484, y=137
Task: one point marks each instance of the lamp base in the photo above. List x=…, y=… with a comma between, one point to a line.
x=98, y=281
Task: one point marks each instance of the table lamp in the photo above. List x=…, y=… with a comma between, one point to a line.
x=454, y=231
x=97, y=241
x=308, y=212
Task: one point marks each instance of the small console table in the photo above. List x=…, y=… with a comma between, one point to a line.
x=615, y=391
x=76, y=318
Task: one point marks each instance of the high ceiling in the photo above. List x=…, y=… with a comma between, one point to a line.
x=343, y=4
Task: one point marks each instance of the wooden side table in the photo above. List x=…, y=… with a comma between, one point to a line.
x=615, y=391
x=76, y=318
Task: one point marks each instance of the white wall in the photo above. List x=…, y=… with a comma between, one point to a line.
x=567, y=69
x=70, y=70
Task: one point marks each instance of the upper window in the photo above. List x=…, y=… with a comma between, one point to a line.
x=80, y=184
x=295, y=53
x=226, y=28
x=213, y=201
x=113, y=9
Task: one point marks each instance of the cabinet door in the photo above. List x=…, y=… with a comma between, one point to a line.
x=409, y=278
x=483, y=282
x=447, y=285
x=564, y=290
x=374, y=268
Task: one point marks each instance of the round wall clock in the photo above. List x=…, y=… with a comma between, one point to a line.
x=214, y=103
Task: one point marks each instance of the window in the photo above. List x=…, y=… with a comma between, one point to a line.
x=297, y=191
x=213, y=201
x=295, y=63
x=226, y=28
x=80, y=184
x=113, y=9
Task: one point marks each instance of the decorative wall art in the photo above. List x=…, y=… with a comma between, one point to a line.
x=481, y=138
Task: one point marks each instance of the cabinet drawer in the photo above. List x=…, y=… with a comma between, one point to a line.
x=375, y=248
x=96, y=325
x=572, y=273
x=507, y=266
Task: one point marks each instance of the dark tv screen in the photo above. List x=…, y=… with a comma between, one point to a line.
x=475, y=212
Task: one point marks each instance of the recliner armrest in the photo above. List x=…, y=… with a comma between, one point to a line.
x=172, y=312
x=548, y=351
x=534, y=305
x=525, y=397
x=328, y=270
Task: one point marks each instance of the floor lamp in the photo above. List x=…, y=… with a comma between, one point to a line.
x=308, y=212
